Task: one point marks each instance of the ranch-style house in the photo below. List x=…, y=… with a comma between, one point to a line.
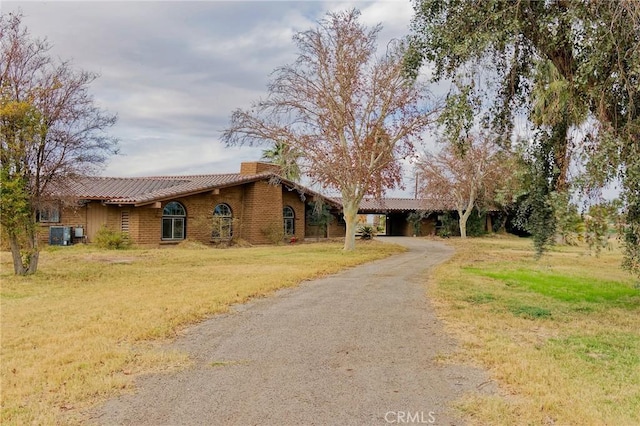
x=254, y=205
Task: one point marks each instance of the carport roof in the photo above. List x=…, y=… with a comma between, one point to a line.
x=398, y=205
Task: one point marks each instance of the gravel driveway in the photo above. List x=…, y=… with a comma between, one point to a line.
x=355, y=348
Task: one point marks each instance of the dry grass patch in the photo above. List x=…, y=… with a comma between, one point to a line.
x=560, y=335
x=79, y=330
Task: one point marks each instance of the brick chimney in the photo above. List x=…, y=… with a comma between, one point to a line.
x=255, y=167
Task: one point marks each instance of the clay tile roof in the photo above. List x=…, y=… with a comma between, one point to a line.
x=148, y=189
x=145, y=190
x=109, y=188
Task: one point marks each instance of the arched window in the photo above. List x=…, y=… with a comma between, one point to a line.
x=222, y=223
x=289, y=221
x=174, y=219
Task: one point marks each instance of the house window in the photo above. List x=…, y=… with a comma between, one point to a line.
x=48, y=214
x=289, y=221
x=174, y=219
x=222, y=222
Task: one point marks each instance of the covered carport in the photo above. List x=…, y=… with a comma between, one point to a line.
x=397, y=211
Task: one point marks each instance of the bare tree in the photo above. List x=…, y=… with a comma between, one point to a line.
x=462, y=180
x=50, y=132
x=350, y=114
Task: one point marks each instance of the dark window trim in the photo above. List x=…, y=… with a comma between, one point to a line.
x=49, y=214
x=289, y=221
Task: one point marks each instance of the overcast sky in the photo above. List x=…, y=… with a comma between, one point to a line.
x=174, y=71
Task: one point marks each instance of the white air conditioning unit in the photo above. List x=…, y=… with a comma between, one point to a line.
x=60, y=235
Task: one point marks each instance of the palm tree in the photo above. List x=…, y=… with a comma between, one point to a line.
x=286, y=158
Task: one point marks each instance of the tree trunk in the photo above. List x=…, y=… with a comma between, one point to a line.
x=34, y=257
x=18, y=267
x=503, y=225
x=462, y=222
x=350, y=212
x=25, y=262
x=464, y=216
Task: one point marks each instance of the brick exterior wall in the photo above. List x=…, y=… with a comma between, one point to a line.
x=146, y=225
x=253, y=168
x=337, y=229
x=73, y=216
x=199, y=212
x=256, y=208
x=262, y=211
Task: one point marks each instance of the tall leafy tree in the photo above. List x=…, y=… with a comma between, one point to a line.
x=566, y=64
x=350, y=113
x=50, y=131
